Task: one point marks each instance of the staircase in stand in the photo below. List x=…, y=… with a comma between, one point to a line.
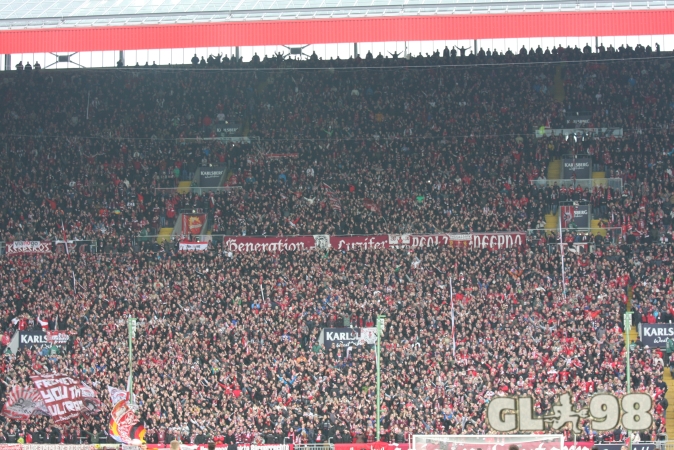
x=164, y=235
x=558, y=92
x=555, y=169
x=184, y=187
x=551, y=222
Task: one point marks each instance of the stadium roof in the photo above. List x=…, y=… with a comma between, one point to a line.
x=39, y=26
x=75, y=13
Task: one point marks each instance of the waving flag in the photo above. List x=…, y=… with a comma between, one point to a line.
x=117, y=395
x=124, y=425
x=22, y=403
x=65, y=398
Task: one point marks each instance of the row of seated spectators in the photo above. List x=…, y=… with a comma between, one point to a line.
x=416, y=150
x=215, y=356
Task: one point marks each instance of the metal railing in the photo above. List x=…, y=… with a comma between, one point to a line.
x=588, y=183
x=610, y=234
x=579, y=132
x=324, y=446
x=195, y=190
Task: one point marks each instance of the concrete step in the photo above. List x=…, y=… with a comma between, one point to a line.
x=164, y=235
x=551, y=222
x=184, y=187
x=595, y=228
x=554, y=169
x=558, y=91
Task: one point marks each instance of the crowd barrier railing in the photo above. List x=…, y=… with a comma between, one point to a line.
x=195, y=190
x=589, y=183
x=610, y=234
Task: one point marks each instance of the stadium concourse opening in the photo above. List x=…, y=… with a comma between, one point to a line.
x=376, y=252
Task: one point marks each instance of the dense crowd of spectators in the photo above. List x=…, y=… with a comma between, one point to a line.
x=212, y=354
x=228, y=344
x=416, y=149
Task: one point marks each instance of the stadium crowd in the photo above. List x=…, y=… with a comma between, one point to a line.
x=228, y=345
x=213, y=355
x=452, y=150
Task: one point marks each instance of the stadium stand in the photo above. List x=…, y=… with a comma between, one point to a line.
x=441, y=144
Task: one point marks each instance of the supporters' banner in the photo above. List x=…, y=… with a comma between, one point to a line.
x=637, y=446
x=239, y=446
x=268, y=244
x=65, y=447
x=322, y=241
x=566, y=212
x=73, y=246
x=434, y=240
x=27, y=247
x=22, y=403
x=656, y=334
x=261, y=447
x=371, y=205
x=588, y=445
x=64, y=397
x=375, y=446
x=39, y=338
x=210, y=176
x=579, y=214
x=193, y=246
x=492, y=241
x=368, y=336
x=193, y=223
x=580, y=165
x=348, y=337
x=124, y=426
x=359, y=242
x=498, y=241
x=57, y=337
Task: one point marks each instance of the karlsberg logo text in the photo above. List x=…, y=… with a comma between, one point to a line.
x=33, y=339
x=648, y=331
x=332, y=336
x=214, y=173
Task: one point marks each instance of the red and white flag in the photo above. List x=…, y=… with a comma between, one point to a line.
x=65, y=397
x=117, y=395
x=22, y=403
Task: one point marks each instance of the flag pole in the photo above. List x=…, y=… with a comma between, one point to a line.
x=561, y=249
x=65, y=238
x=451, y=298
x=380, y=324
x=132, y=333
